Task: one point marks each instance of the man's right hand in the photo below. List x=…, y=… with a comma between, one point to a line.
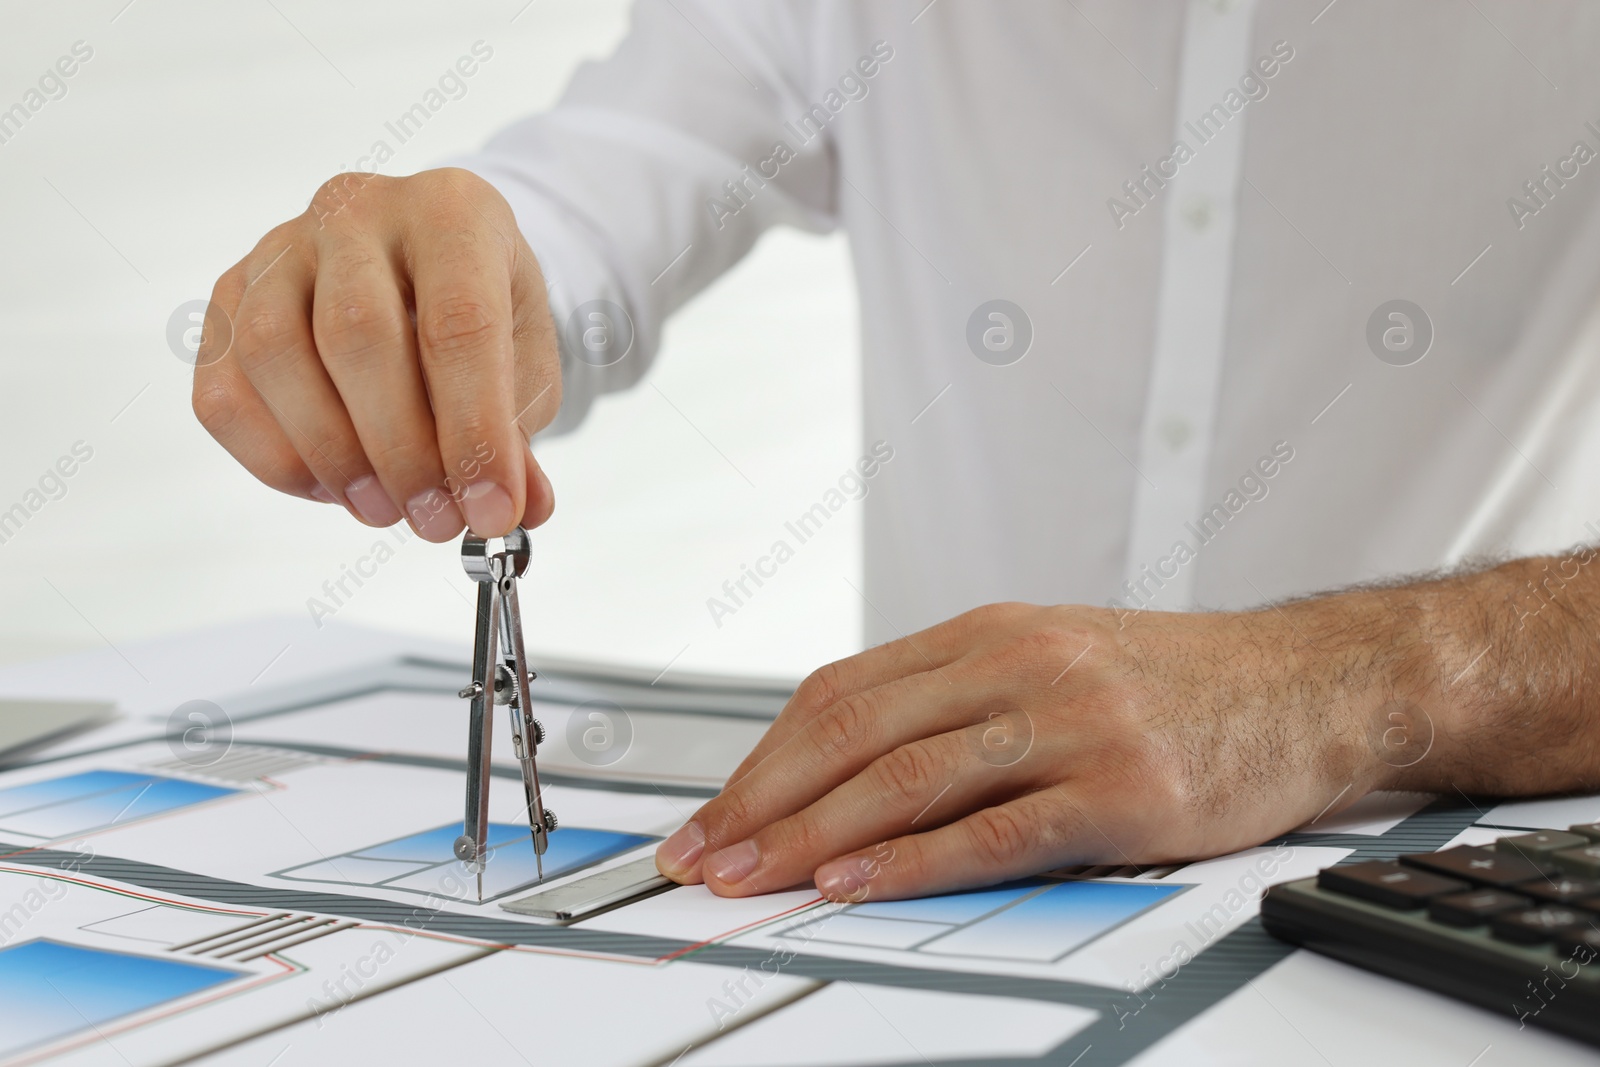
x=390, y=350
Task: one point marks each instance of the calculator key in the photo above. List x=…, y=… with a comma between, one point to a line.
x=1386, y=882
x=1560, y=889
x=1534, y=925
x=1538, y=846
x=1584, y=862
x=1581, y=943
x=1590, y=830
x=1474, y=907
x=1484, y=866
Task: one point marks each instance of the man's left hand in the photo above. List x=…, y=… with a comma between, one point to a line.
x=1017, y=739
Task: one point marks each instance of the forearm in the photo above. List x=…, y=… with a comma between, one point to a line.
x=1482, y=682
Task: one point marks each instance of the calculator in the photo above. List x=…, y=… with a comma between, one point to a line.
x=1513, y=927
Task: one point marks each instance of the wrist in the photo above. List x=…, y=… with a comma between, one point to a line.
x=1368, y=663
x=1416, y=719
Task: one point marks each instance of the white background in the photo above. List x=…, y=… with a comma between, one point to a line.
x=195, y=128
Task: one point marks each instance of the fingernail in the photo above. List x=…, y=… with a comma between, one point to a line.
x=434, y=515
x=678, y=853
x=734, y=863
x=544, y=482
x=319, y=493
x=844, y=879
x=372, y=502
x=487, y=508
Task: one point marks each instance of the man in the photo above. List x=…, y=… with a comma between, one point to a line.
x=1164, y=306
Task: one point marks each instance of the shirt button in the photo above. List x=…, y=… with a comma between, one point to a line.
x=1199, y=212
x=1176, y=431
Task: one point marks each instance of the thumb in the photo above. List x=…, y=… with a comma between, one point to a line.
x=541, y=498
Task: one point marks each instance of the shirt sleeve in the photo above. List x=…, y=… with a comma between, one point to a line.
x=656, y=171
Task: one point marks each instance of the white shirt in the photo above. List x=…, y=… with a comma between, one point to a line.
x=1199, y=391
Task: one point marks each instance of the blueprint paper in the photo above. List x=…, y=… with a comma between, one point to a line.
x=1552, y=814
x=544, y=1009
x=1311, y=1009
x=858, y=1024
x=92, y=971
x=358, y=827
x=1118, y=933
x=662, y=747
x=1373, y=815
x=329, y=811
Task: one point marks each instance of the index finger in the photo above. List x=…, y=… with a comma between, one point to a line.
x=929, y=651
x=461, y=272
x=834, y=747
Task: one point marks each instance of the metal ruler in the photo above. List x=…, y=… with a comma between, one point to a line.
x=598, y=892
